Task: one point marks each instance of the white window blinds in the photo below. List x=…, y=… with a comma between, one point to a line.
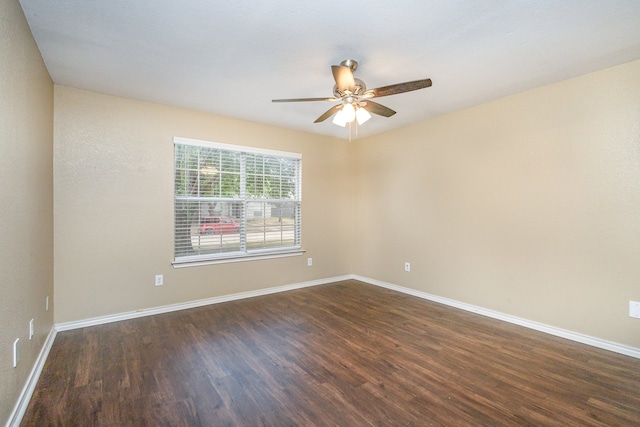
x=234, y=202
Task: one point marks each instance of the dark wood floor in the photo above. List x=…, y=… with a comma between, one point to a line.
x=346, y=354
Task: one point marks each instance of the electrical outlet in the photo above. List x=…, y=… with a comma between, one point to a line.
x=159, y=280
x=309, y=262
x=634, y=309
x=15, y=352
x=30, y=328
x=407, y=266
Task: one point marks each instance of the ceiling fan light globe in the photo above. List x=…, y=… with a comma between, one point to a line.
x=362, y=116
x=339, y=120
x=348, y=112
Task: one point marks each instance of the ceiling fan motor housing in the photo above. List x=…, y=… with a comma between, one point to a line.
x=358, y=89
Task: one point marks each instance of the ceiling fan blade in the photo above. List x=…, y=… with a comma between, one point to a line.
x=330, y=112
x=304, y=99
x=343, y=77
x=379, y=109
x=398, y=88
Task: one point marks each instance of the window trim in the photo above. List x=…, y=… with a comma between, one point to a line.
x=240, y=256
x=195, y=261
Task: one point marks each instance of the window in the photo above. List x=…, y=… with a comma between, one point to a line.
x=234, y=202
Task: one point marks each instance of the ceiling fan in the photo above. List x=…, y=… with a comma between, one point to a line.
x=355, y=99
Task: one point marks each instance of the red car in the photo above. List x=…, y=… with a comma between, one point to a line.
x=218, y=225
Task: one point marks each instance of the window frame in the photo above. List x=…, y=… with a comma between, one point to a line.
x=243, y=253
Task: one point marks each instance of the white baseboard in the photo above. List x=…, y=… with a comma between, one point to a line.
x=27, y=391
x=21, y=406
x=552, y=330
x=66, y=326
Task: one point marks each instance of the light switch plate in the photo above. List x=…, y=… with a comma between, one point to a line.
x=634, y=309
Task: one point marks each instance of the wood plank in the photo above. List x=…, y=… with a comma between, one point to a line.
x=341, y=354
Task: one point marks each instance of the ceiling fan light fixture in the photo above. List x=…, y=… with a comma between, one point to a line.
x=338, y=119
x=348, y=112
x=362, y=115
x=355, y=99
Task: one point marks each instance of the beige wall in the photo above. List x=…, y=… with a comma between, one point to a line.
x=26, y=194
x=114, y=206
x=529, y=205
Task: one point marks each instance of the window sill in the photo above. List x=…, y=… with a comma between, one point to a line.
x=195, y=262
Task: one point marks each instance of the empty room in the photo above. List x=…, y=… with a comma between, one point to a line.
x=342, y=213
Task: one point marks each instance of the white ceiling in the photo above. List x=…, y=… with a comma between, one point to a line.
x=232, y=57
